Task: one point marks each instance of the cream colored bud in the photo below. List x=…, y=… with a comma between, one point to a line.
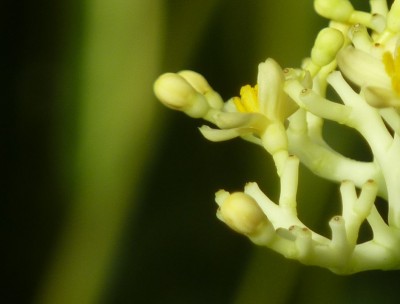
x=338, y=10
x=177, y=93
x=174, y=91
x=328, y=43
x=242, y=213
x=196, y=80
x=200, y=84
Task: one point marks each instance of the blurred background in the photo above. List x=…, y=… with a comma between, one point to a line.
x=109, y=196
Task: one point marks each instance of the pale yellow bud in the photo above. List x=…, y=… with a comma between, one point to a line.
x=242, y=213
x=177, y=93
x=338, y=10
x=200, y=84
x=196, y=80
x=328, y=43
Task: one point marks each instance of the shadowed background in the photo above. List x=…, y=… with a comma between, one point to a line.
x=109, y=197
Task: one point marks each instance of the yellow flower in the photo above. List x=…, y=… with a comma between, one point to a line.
x=257, y=107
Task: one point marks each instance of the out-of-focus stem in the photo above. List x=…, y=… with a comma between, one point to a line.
x=121, y=56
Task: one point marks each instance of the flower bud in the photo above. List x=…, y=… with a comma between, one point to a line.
x=242, y=213
x=196, y=80
x=177, y=93
x=338, y=10
x=328, y=43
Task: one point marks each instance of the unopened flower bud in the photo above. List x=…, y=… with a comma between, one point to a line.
x=338, y=10
x=177, y=93
x=328, y=43
x=196, y=80
x=242, y=213
x=200, y=84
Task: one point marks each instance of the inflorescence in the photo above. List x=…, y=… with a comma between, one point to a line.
x=358, y=56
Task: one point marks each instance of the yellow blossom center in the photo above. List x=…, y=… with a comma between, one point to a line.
x=248, y=100
x=392, y=67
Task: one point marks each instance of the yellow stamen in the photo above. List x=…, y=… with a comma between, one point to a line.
x=248, y=101
x=392, y=67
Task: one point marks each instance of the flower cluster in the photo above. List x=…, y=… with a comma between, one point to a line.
x=358, y=56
